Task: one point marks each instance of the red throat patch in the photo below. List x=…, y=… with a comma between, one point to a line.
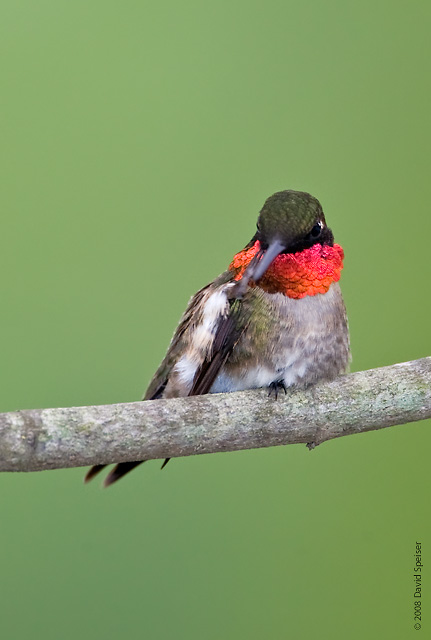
x=296, y=275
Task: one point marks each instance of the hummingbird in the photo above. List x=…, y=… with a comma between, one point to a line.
x=275, y=318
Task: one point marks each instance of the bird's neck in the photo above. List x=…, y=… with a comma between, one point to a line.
x=296, y=275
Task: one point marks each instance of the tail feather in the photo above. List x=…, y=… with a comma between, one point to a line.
x=119, y=471
x=96, y=469
x=165, y=463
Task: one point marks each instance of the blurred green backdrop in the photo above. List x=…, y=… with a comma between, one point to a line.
x=139, y=141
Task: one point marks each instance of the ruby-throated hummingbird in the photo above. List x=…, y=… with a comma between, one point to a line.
x=275, y=318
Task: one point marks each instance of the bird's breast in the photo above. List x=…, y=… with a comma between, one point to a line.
x=298, y=341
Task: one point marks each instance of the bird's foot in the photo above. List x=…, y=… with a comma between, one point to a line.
x=274, y=388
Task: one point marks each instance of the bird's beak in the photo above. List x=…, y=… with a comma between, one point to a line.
x=267, y=258
x=258, y=266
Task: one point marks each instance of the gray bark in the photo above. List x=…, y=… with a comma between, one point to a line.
x=36, y=439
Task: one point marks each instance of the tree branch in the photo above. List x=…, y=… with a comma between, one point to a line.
x=37, y=439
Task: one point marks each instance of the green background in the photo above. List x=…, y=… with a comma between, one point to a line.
x=138, y=142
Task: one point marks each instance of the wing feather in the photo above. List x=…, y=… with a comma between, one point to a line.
x=161, y=377
x=229, y=330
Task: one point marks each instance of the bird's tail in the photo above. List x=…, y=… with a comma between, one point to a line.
x=115, y=474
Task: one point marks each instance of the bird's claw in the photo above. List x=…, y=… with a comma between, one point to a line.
x=274, y=388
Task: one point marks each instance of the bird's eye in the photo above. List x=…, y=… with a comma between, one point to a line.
x=316, y=230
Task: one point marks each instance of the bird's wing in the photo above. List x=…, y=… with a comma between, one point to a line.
x=160, y=378
x=227, y=333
